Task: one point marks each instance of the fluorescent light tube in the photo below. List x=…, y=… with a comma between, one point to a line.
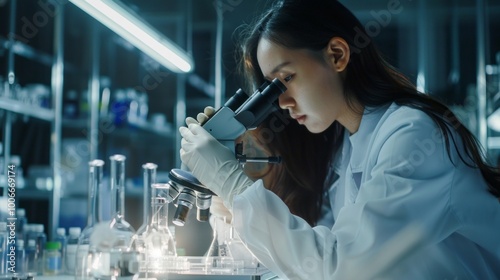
x=124, y=22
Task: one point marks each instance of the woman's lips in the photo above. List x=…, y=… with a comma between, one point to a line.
x=299, y=118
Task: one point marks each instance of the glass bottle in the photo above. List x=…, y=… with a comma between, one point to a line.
x=52, y=258
x=20, y=257
x=71, y=250
x=21, y=223
x=37, y=233
x=61, y=238
x=83, y=252
x=115, y=256
x=31, y=257
x=3, y=248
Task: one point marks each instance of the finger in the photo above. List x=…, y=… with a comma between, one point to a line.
x=196, y=129
x=186, y=133
x=183, y=156
x=202, y=118
x=209, y=111
x=184, y=142
x=190, y=120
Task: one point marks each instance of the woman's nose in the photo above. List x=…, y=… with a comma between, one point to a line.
x=285, y=100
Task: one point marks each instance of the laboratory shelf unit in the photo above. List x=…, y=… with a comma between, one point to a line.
x=14, y=52
x=19, y=107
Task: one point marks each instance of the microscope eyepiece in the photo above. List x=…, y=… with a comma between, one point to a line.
x=260, y=104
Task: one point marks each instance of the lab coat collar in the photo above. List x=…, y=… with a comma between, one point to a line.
x=361, y=140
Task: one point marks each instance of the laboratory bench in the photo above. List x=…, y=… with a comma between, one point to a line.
x=263, y=276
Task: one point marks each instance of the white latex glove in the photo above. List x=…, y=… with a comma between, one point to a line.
x=218, y=209
x=213, y=164
x=201, y=118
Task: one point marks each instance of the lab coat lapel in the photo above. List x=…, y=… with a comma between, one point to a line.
x=360, y=143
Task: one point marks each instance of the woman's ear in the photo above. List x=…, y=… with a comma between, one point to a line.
x=338, y=52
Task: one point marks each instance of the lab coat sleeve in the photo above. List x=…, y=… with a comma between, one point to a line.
x=400, y=206
x=284, y=243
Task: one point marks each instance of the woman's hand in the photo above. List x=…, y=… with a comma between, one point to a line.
x=213, y=164
x=201, y=118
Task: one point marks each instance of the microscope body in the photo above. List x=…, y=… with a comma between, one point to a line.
x=240, y=113
x=224, y=127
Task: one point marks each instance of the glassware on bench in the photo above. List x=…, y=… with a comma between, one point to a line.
x=115, y=256
x=83, y=252
x=159, y=253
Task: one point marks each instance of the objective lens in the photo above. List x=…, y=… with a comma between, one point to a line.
x=185, y=202
x=203, y=202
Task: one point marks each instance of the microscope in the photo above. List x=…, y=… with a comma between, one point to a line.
x=240, y=113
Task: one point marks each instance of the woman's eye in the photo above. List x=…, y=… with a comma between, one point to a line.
x=288, y=78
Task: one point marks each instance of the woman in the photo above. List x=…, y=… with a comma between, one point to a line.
x=414, y=199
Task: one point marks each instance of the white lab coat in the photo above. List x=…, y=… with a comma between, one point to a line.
x=402, y=210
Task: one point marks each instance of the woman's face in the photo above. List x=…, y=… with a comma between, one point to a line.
x=314, y=95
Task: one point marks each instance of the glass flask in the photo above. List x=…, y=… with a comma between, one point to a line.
x=83, y=252
x=159, y=244
x=114, y=255
x=227, y=253
x=149, y=177
x=218, y=255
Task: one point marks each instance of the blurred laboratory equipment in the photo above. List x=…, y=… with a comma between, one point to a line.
x=3, y=248
x=71, y=249
x=31, y=257
x=52, y=261
x=20, y=257
x=63, y=240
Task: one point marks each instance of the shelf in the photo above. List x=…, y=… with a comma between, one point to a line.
x=25, y=109
x=32, y=193
x=75, y=123
x=26, y=51
x=165, y=130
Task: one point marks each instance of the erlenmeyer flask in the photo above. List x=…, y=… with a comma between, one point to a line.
x=218, y=255
x=227, y=253
x=160, y=252
x=115, y=255
x=242, y=257
x=83, y=252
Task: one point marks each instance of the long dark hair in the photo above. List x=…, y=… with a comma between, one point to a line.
x=299, y=179
x=369, y=79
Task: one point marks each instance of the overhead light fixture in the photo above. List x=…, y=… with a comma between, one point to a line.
x=124, y=22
